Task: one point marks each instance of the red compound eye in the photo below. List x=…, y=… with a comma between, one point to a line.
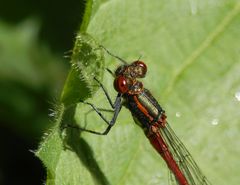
x=142, y=66
x=120, y=84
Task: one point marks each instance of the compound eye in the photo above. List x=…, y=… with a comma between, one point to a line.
x=120, y=84
x=141, y=68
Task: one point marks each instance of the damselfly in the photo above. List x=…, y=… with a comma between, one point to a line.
x=150, y=116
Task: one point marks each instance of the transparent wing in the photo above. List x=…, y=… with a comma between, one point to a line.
x=183, y=158
x=171, y=179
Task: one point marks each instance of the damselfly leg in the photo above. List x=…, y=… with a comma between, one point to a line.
x=116, y=106
x=111, y=54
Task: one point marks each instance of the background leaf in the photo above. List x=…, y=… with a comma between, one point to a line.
x=192, y=52
x=26, y=67
x=25, y=92
x=33, y=42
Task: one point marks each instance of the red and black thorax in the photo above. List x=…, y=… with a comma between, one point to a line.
x=144, y=108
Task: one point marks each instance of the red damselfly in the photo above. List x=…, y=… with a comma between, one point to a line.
x=150, y=116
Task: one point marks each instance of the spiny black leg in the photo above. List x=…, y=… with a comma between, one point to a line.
x=117, y=57
x=106, y=94
x=112, y=73
x=117, y=107
x=118, y=103
x=91, y=110
x=101, y=109
x=86, y=130
x=97, y=111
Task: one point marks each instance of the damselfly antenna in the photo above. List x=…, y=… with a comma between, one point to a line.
x=139, y=57
x=117, y=57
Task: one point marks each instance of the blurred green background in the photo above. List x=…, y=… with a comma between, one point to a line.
x=34, y=37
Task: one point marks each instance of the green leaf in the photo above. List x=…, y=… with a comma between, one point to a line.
x=87, y=63
x=192, y=52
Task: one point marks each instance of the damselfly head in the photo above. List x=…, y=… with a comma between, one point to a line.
x=136, y=69
x=126, y=77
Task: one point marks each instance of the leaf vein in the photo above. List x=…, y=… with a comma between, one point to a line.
x=220, y=28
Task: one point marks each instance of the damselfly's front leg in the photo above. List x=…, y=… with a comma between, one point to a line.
x=116, y=106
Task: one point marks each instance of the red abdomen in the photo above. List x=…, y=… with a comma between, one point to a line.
x=159, y=144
